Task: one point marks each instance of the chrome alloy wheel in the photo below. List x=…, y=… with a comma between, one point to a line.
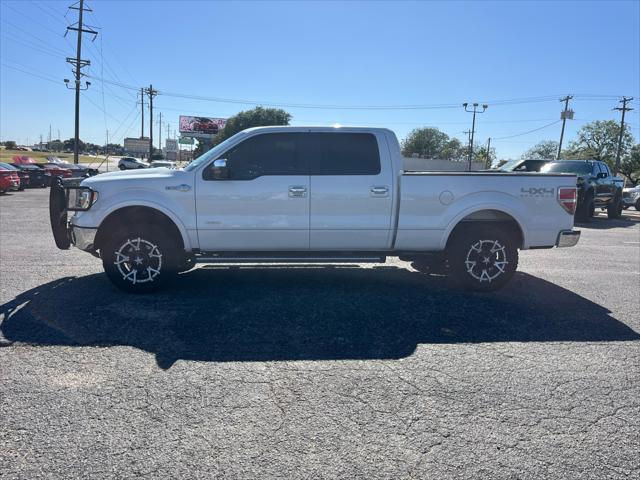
x=138, y=260
x=486, y=260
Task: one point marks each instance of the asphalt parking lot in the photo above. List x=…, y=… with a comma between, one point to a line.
x=319, y=372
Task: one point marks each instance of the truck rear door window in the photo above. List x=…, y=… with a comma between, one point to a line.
x=343, y=154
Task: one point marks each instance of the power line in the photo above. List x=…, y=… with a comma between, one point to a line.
x=513, y=101
x=528, y=131
x=48, y=79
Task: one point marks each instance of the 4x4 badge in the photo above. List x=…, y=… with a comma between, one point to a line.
x=536, y=192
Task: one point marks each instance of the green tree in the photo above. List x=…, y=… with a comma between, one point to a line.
x=630, y=165
x=545, y=150
x=257, y=117
x=68, y=144
x=481, y=155
x=599, y=141
x=10, y=145
x=56, y=146
x=431, y=143
x=114, y=149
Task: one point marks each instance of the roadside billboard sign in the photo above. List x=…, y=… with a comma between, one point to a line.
x=185, y=141
x=171, y=145
x=136, y=146
x=204, y=127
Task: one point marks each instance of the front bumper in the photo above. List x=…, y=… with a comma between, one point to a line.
x=83, y=237
x=568, y=238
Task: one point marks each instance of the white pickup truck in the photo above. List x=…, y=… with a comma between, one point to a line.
x=312, y=194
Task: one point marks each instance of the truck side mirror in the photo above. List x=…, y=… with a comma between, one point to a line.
x=218, y=170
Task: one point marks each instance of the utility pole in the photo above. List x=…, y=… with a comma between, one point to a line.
x=49, y=143
x=152, y=93
x=473, y=126
x=488, y=164
x=142, y=110
x=623, y=109
x=78, y=64
x=168, y=130
x=566, y=113
x=160, y=132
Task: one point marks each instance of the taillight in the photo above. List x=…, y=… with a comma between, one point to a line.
x=568, y=199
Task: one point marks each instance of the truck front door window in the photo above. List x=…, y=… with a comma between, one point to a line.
x=268, y=154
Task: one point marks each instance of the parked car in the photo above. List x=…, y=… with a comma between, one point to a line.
x=57, y=171
x=77, y=170
x=9, y=180
x=631, y=197
x=162, y=163
x=23, y=176
x=38, y=175
x=292, y=194
x=597, y=188
x=521, y=166
x=131, y=163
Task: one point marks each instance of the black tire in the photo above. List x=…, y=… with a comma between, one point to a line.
x=482, y=257
x=156, y=255
x=614, y=210
x=122, y=167
x=586, y=209
x=637, y=205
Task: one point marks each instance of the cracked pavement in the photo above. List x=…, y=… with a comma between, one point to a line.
x=319, y=371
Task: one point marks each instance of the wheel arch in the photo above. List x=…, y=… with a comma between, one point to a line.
x=139, y=214
x=494, y=214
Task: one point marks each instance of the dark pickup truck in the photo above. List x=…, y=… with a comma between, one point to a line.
x=597, y=187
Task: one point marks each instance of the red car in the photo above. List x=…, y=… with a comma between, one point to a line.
x=23, y=176
x=57, y=171
x=9, y=180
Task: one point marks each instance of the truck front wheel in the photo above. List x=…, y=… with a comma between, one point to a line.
x=482, y=257
x=614, y=210
x=139, y=259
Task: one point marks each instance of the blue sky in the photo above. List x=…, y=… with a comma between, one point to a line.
x=325, y=53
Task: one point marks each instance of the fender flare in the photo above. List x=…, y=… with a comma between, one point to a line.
x=145, y=203
x=478, y=208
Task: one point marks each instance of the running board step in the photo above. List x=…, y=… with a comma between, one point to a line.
x=281, y=259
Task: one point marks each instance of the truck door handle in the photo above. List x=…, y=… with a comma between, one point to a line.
x=180, y=188
x=379, y=191
x=297, y=191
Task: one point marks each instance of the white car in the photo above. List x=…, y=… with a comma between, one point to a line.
x=131, y=163
x=312, y=194
x=162, y=163
x=631, y=197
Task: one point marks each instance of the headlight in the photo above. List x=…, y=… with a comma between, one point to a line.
x=81, y=198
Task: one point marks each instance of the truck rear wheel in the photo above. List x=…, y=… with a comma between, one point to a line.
x=586, y=210
x=482, y=257
x=139, y=259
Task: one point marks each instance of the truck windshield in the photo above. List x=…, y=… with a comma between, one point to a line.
x=564, y=166
x=213, y=153
x=510, y=165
